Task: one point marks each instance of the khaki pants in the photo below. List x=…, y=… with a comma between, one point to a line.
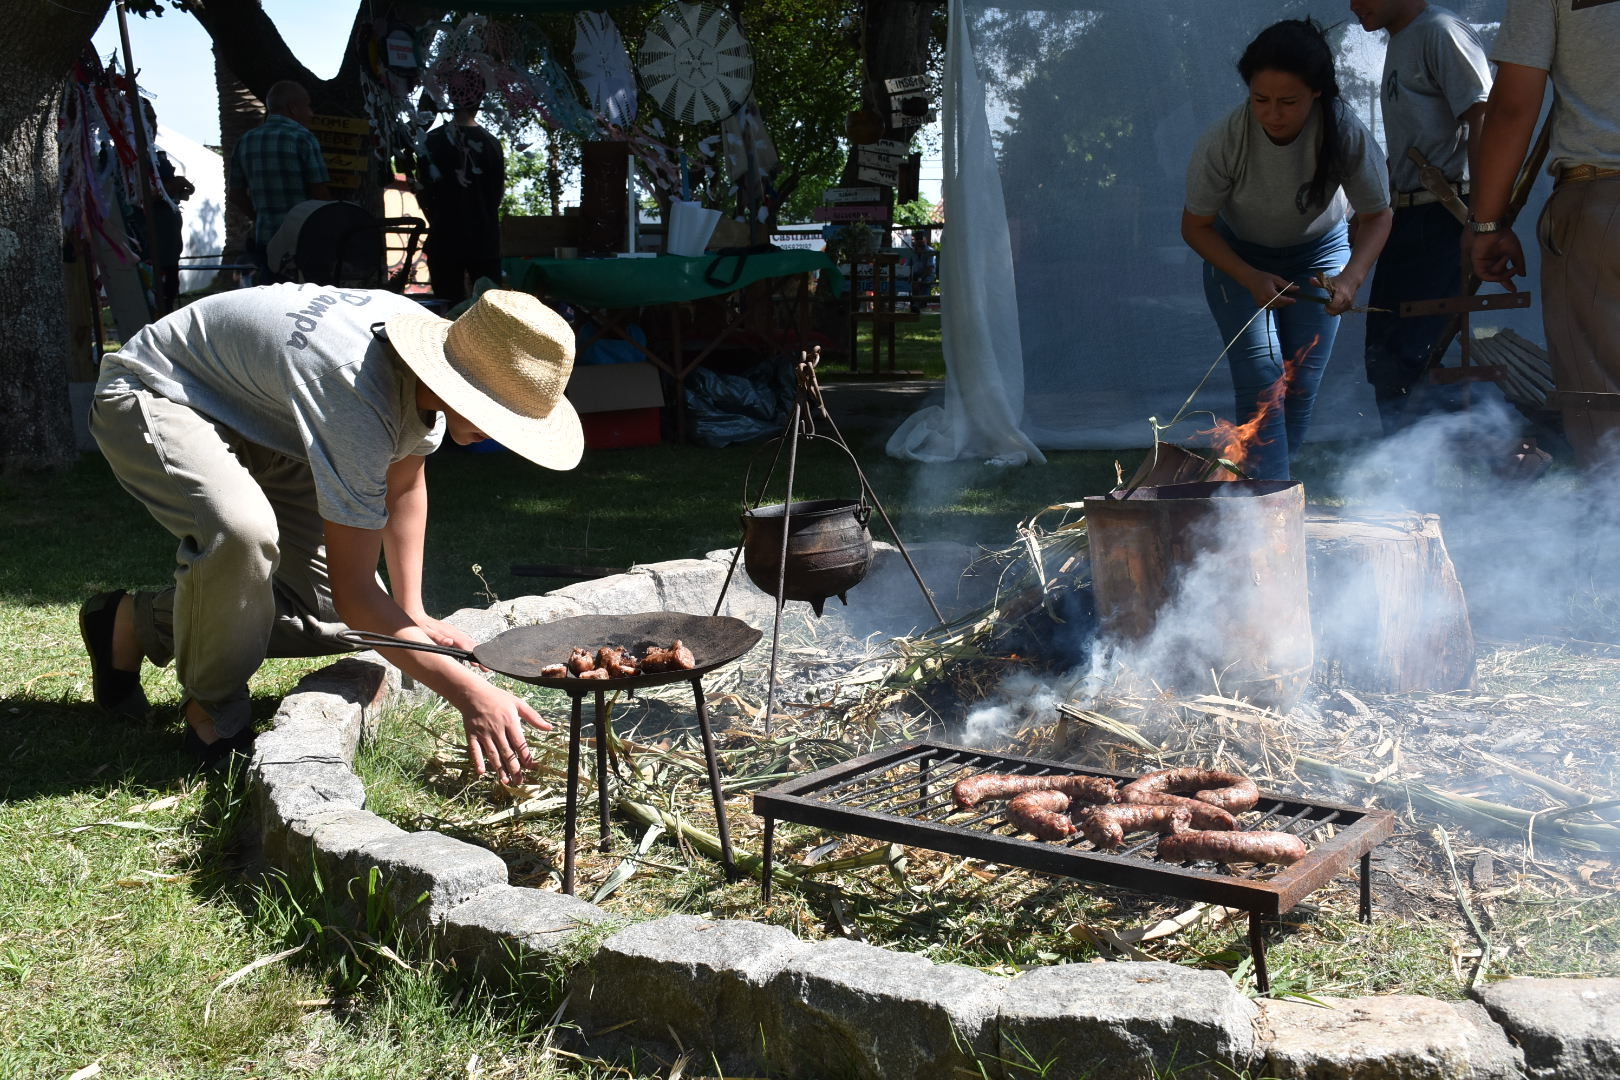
x=1580, y=306
x=251, y=580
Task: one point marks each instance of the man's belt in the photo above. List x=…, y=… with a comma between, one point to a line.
x=1571, y=174
x=1435, y=185
x=1403, y=199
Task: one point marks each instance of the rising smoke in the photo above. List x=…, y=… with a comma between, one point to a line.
x=1534, y=556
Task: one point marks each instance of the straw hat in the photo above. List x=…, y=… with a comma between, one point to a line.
x=503, y=364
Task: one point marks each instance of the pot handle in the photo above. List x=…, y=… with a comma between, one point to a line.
x=863, y=513
x=387, y=641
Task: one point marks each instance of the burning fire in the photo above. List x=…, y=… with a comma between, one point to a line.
x=1235, y=442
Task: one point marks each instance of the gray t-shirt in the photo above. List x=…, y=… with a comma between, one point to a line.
x=1434, y=71
x=1257, y=187
x=295, y=369
x=1578, y=41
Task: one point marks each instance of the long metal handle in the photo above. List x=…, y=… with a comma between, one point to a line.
x=387, y=641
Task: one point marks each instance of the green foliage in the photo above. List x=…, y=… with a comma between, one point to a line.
x=916, y=212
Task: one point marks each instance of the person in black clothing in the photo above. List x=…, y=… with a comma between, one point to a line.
x=464, y=179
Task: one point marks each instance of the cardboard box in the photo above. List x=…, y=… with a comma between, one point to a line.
x=539, y=237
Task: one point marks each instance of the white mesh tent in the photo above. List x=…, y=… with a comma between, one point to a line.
x=1072, y=310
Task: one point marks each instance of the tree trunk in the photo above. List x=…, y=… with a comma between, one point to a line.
x=1387, y=609
x=896, y=37
x=239, y=113
x=42, y=43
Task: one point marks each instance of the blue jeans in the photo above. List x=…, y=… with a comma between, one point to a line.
x=1257, y=353
x=1419, y=262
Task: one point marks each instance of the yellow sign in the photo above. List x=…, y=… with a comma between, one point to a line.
x=345, y=125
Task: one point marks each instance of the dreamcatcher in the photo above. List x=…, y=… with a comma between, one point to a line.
x=695, y=63
x=603, y=67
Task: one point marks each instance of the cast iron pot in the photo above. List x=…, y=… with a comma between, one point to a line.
x=829, y=550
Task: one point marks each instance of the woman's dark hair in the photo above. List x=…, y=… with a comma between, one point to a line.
x=1298, y=47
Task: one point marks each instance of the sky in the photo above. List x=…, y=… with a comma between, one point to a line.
x=175, y=65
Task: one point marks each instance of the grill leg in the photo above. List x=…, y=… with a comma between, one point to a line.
x=1257, y=949
x=602, y=769
x=768, y=862
x=714, y=781
x=1366, y=888
x=571, y=813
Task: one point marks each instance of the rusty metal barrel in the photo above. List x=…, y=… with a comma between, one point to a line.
x=1206, y=584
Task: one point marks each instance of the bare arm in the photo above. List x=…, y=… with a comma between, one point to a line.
x=1366, y=241
x=1510, y=122
x=1198, y=230
x=404, y=537
x=492, y=717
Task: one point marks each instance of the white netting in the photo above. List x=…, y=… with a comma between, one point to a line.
x=1072, y=310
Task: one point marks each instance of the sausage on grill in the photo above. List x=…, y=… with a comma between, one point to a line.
x=555, y=671
x=1204, y=815
x=975, y=789
x=1041, y=814
x=580, y=661
x=1261, y=846
x=1227, y=790
x=1106, y=826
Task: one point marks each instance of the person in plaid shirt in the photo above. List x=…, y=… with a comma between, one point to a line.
x=276, y=166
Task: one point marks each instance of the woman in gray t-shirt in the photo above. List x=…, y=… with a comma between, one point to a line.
x=1268, y=191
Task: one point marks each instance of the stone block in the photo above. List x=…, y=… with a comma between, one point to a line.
x=1126, y=1021
x=426, y=874
x=1569, y=1029
x=621, y=594
x=292, y=781
x=509, y=927
x=744, y=599
x=328, y=845
x=844, y=1008
x=1491, y=1054
x=480, y=624
x=689, y=585
x=527, y=610
x=1397, y=1037
x=682, y=982
x=345, y=696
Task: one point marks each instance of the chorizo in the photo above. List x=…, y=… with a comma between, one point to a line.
x=580, y=661
x=1106, y=826
x=1204, y=815
x=1227, y=790
x=595, y=673
x=976, y=789
x=1041, y=814
x=1260, y=846
x=554, y=671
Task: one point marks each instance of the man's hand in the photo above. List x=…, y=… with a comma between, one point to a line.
x=494, y=719
x=1495, y=256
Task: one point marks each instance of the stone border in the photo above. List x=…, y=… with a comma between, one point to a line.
x=758, y=999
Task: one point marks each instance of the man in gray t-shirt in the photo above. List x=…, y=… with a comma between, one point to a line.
x=279, y=434
x=1433, y=92
x=1572, y=43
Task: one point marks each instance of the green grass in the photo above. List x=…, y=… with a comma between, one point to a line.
x=112, y=938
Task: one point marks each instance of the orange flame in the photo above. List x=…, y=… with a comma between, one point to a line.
x=1235, y=442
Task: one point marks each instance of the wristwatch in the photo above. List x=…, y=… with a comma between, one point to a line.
x=1484, y=226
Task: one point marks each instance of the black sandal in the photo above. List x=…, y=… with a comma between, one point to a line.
x=115, y=690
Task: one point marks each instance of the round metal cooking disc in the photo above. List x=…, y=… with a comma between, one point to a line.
x=523, y=651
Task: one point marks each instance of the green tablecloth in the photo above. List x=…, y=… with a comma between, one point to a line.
x=665, y=279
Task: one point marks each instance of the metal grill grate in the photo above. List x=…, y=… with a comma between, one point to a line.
x=903, y=795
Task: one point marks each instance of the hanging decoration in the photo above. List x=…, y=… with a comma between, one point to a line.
x=695, y=63
x=603, y=67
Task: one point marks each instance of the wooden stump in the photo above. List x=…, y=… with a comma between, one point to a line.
x=1387, y=609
